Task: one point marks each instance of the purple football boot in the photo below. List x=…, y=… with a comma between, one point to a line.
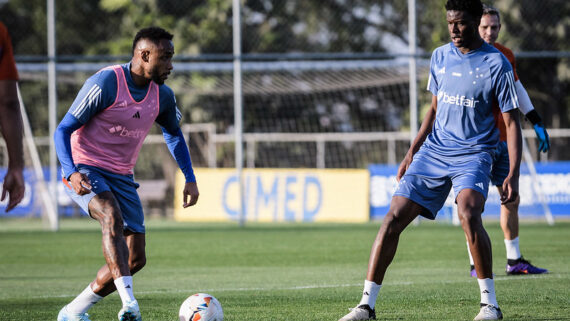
x=522, y=266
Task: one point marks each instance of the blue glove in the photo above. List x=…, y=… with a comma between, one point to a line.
x=543, y=140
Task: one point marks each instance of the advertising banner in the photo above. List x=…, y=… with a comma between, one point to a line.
x=553, y=181
x=278, y=195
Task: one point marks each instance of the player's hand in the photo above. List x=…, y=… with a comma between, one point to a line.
x=190, y=190
x=14, y=185
x=404, y=165
x=543, y=139
x=80, y=183
x=510, y=190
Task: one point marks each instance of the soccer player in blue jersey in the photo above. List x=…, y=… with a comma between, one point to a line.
x=489, y=30
x=97, y=144
x=454, y=148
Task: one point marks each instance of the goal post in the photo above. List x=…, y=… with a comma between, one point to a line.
x=49, y=205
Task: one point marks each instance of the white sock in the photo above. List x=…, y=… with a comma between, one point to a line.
x=487, y=287
x=124, y=286
x=370, y=293
x=83, y=301
x=470, y=256
x=513, y=250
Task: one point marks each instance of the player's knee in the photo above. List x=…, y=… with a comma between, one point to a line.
x=112, y=229
x=105, y=210
x=113, y=222
x=470, y=212
x=392, y=223
x=469, y=216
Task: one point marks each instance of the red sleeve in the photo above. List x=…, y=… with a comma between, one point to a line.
x=8, y=69
x=510, y=56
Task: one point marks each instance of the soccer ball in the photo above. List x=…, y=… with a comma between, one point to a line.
x=201, y=307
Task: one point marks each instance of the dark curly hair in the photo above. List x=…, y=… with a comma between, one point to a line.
x=473, y=7
x=155, y=34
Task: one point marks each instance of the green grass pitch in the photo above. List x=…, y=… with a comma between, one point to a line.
x=282, y=271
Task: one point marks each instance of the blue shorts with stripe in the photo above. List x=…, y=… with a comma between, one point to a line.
x=430, y=177
x=124, y=190
x=500, y=164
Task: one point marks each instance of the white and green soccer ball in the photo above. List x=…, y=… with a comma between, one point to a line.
x=201, y=307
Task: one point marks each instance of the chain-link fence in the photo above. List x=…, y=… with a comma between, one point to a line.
x=310, y=67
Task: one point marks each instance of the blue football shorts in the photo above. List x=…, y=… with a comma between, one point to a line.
x=123, y=188
x=430, y=177
x=501, y=166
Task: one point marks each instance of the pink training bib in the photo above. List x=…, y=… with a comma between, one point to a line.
x=112, y=139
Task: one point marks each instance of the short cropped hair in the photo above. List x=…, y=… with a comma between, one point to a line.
x=154, y=34
x=473, y=7
x=492, y=11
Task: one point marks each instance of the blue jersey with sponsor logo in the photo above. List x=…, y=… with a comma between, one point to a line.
x=466, y=85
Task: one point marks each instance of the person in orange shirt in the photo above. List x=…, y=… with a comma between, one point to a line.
x=11, y=123
x=489, y=30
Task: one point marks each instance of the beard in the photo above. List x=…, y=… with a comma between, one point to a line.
x=157, y=77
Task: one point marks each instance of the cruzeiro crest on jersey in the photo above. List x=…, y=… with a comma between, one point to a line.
x=462, y=82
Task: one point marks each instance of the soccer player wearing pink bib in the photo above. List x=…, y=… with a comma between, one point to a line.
x=98, y=142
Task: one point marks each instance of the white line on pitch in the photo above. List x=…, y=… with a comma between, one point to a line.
x=323, y=286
